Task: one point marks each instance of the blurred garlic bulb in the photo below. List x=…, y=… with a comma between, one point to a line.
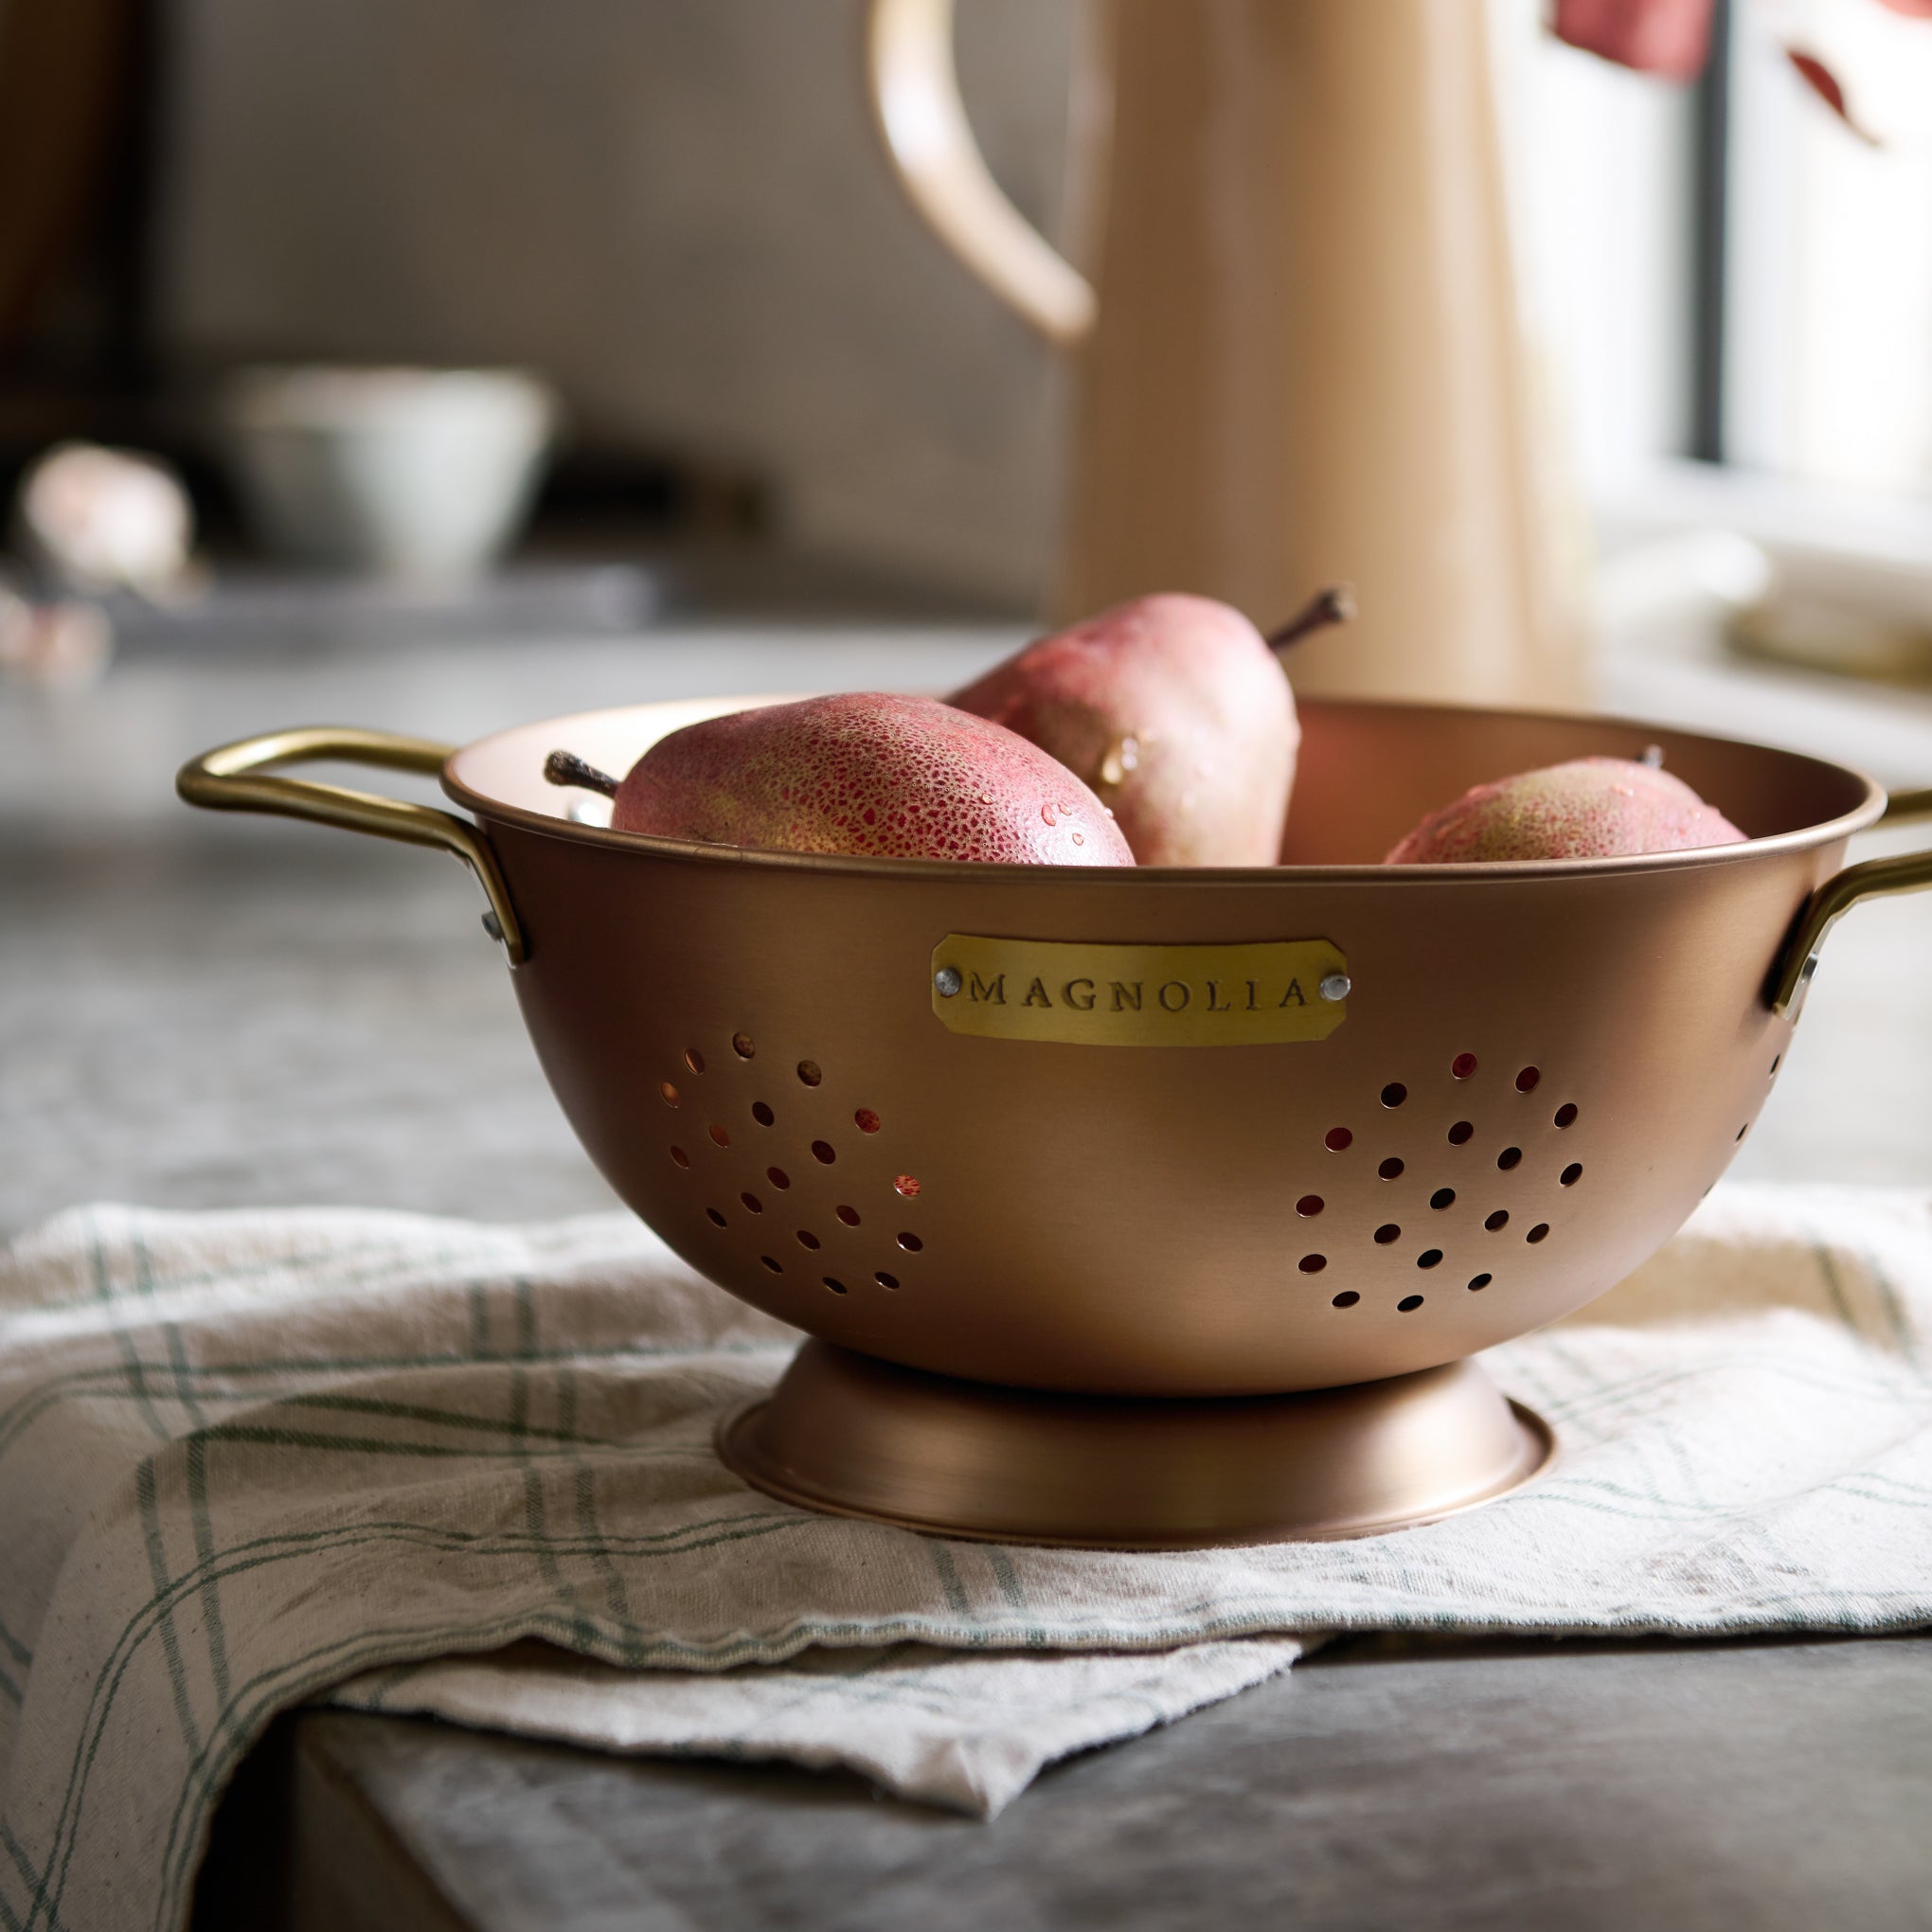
x=16, y=616
x=102, y=519
x=52, y=647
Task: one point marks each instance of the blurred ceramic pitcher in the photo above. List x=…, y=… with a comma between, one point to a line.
x=1300, y=356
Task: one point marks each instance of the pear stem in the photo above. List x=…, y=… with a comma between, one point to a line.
x=566, y=768
x=1335, y=605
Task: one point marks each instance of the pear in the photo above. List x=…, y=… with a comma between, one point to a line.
x=1591, y=808
x=866, y=772
x=1176, y=712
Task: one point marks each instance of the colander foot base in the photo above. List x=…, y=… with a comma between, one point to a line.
x=853, y=1436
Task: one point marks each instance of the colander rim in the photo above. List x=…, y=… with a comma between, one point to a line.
x=1470, y=872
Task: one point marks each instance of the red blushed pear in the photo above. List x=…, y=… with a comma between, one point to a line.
x=1175, y=710
x=865, y=773
x=1591, y=808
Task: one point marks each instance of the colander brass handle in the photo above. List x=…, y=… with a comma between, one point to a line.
x=232, y=777
x=1874, y=879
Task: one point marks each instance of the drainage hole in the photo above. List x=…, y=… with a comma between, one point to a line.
x=1338, y=1139
x=866, y=1121
x=848, y=1215
x=1347, y=1299
x=1526, y=1081
x=810, y=1073
x=1497, y=1221
x=1509, y=1157
x=1429, y=1258
x=1408, y=1304
x=1394, y=1094
x=671, y=1097
x=1537, y=1232
x=821, y=1151
x=743, y=1046
x=712, y=1215
x=1463, y=1129
x=906, y=1184
x=682, y=1158
x=778, y=1177
x=1462, y=1065
x=771, y=1264
x=886, y=1280
x=1479, y=1282
x=762, y=1114
x=694, y=1060
x=807, y=1238
x=752, y=1202
x=1565, y=1114
x=1570, y=1175
x=1387, y=1233
x=1309, y=1206
x=836, y=1287
x=911, y=1244
x=721, y=1136
x=1312, y=1264
x=1390, y=1169
x=1443, y=1198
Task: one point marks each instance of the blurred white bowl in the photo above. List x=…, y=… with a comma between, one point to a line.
x=397, y=472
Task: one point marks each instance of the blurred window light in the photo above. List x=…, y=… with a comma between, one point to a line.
x=1729, y=271
x=1829, y=312
x=1603, y=165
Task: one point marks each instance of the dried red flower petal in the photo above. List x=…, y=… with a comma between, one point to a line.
x=1824, y=83
x=1667, y=37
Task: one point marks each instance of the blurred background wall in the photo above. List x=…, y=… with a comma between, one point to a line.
x=678, y=210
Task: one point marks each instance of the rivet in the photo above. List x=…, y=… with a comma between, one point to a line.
x=1336, y=986
x=494, y=926
x=948, y=981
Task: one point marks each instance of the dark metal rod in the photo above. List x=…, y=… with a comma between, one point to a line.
x=1709, y=241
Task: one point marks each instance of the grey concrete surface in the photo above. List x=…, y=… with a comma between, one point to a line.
x=244, y=1020
x=1433, y=1788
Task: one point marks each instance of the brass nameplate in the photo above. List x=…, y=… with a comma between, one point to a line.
x=1095, y=995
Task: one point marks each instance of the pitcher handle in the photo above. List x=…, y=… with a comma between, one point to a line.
x=914, y=89
x=1874, y=879
x=229, y=779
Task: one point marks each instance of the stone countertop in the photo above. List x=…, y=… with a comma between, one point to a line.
x=1384, y=1784
x=201, y=1012
x=198, y=1009
x=205, y=1010
x=274, y=1014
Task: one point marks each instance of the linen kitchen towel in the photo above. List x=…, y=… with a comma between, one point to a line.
x=248, y=1460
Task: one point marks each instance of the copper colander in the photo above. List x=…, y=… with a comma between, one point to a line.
x=1072, y=1277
